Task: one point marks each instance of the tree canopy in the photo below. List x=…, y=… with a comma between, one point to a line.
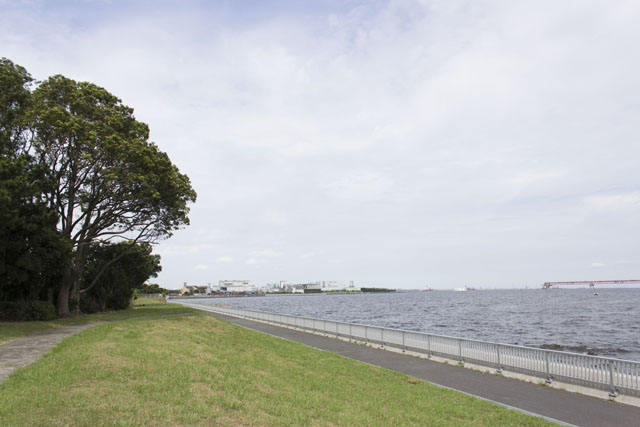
x=32, y=251
x=102, y=179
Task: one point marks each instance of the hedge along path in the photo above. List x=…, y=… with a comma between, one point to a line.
x=24, y=351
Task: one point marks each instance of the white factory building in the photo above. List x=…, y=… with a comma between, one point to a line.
x=236, y=286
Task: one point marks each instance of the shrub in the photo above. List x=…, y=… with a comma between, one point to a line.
x=27, y=310
x=88, y=304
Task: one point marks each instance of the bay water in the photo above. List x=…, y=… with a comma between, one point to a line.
x=607, y=324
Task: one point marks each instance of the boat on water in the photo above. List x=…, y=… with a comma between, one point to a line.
x=464, y=289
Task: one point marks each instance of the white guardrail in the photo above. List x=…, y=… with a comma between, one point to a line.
x=615, y=375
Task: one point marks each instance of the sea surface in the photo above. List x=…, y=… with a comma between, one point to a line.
x=607, y=324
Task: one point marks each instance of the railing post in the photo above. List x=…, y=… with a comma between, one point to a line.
x=461, y=360
x=350, y=334
x=404, y=347
x=366, y=335
x=614, y=391
x=548, y=380
x=429, y=346
x=499, y=362
x=382, y=336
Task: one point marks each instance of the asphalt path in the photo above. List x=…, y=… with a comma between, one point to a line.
x=556, y=405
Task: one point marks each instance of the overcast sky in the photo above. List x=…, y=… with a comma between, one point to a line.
x=394, y=143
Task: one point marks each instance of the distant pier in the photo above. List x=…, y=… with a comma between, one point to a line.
x=590, y=283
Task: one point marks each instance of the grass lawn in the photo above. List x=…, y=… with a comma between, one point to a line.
x=143, y=307
x=198, y=370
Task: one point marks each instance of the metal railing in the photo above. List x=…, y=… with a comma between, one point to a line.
x=615, y=375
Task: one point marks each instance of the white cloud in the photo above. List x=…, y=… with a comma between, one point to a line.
x=275, y=217
x=359, y=187
x=382, y=134
x=172, y=249
x=615, y=202
x=267, y=253
x=598, y=265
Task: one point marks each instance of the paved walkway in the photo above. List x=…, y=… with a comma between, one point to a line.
x=557, y=405
x=25, y=350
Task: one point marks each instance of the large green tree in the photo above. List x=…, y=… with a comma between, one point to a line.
x=108, y=180
x=32, y=251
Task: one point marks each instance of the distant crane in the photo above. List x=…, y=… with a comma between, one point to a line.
x=591, y=283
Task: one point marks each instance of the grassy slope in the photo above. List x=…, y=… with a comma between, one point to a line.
x=142, y=308
x=200, y=370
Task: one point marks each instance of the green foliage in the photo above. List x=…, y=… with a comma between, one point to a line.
x=109, y=180
x=106, y=171
x=15, y=99
x=152, y=288
x=27, y=310
x=77, y=169
x=125, y=267
x=32, y=251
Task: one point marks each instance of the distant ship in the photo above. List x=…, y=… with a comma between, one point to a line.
x=464, y=289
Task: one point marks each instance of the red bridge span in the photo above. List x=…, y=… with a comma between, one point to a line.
x=591, y=283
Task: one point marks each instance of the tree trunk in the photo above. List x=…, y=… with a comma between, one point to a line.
x=74, y=296
x=68, y=285
x=62, y=308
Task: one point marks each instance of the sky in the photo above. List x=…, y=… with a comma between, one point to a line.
x=404, y=144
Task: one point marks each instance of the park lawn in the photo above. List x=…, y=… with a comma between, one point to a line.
x=143, y=307
x=199, y=370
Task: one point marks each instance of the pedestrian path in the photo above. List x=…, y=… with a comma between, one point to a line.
x=26, y=350
x=551, y=403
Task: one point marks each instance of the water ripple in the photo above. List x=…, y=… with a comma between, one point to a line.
x=566, y=319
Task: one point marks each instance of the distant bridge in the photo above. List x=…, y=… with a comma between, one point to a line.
x=591, y=283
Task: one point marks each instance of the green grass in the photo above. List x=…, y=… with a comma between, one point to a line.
x=198, y=370
x=142, y=308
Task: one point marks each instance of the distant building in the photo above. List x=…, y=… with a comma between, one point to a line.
x=193, y=290
x=322, y=285
x=235, y=286
x=284, y=285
